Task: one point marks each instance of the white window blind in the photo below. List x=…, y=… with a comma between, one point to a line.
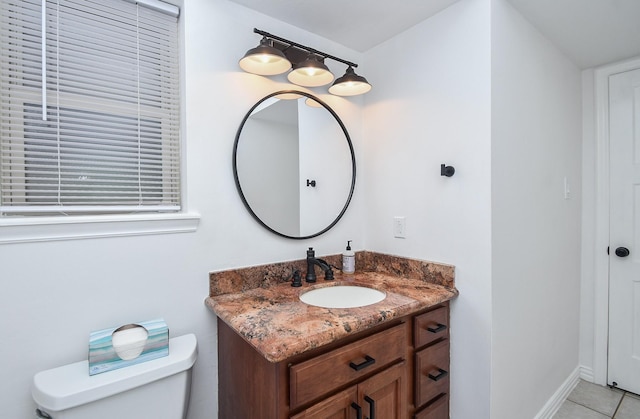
x=90, y=107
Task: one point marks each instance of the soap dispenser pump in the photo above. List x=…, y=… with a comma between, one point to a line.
x=348, y=260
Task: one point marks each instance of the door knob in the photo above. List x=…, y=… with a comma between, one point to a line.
x=622, y=252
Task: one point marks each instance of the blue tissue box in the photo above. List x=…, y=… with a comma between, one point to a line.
x=134, y=343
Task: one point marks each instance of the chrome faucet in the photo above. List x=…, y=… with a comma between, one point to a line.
x=312, y=261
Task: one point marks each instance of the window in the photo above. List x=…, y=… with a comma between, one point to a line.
x=90, y=107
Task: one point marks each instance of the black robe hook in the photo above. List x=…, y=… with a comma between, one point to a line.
x=447, y=171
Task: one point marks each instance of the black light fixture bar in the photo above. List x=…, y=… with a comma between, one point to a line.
x=286, y=42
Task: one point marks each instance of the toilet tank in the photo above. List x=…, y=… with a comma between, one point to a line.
x=156, y=389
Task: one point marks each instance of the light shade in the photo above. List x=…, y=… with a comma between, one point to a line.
x=265, y=60
x=289, y=96
x=310, y=73
x=312, y=103
x=350, y=84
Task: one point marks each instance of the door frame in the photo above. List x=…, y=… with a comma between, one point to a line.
x=601, y=260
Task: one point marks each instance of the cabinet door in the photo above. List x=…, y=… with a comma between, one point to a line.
x=339, y=406
x=383, y=396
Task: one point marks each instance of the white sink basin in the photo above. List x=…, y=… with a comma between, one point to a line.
x=342, y=296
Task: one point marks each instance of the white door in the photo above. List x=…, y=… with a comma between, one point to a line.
x=624, y=270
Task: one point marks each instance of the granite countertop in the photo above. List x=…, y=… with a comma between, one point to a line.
x=275, y=322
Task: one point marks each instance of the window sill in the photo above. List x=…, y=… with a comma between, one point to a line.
x=42, y=229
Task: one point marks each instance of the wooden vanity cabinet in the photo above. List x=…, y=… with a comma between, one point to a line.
x=385, y=370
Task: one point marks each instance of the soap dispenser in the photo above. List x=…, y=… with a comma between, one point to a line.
x=348, y=260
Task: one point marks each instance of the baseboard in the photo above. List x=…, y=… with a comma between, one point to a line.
x=586, y=373
x=554, y=403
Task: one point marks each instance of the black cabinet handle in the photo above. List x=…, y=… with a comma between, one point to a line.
x=441, y=374
x=358, y=410
x=372, y=407
x=367, y=361
x=622, y=252
x=437, y=329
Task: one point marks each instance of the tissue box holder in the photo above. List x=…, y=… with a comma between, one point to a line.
x=103, y=357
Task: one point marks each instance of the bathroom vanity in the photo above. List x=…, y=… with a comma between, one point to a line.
x=281, y=358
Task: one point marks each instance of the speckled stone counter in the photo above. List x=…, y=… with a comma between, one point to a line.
x=260, y=304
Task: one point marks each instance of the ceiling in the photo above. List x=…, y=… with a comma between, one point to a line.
x=357, y=24
x=590, y=32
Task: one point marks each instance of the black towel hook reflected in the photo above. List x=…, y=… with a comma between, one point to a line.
x=311, y=183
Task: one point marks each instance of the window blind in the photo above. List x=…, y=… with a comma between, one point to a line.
x=90, y=107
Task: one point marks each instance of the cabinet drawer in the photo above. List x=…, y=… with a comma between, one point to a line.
x=337, y=406
x=438, y=409
x=320, y=375
x=432, y=372
x=430, y=326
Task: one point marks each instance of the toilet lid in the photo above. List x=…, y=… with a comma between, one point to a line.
x=71, y=385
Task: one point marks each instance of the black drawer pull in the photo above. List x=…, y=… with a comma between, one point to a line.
x=358, y=410
x=367, y=361
x=372, y=407
x=442, y=374
x=437, y=329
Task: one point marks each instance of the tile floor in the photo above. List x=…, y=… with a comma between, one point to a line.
x=591, y=401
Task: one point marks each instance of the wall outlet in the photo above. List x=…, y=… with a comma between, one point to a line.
x=399, y=227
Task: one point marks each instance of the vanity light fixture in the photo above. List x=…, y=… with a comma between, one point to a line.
x=350, y=84
x=277, y=55
x=310, y=73
x=265, y=60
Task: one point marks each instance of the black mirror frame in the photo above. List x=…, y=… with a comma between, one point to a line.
x=235, y=166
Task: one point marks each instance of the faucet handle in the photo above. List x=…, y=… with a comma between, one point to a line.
x=311, y=253
x=328, y=274
x=297, y=279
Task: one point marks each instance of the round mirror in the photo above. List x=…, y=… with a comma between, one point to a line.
x=294, y=164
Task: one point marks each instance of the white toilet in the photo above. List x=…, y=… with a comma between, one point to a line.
x=157, y=389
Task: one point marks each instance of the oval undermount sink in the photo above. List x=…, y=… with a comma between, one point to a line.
x=342, y=296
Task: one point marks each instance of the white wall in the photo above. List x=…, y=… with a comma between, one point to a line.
x=485, y=92
x=267, y=154
x=536, y=142
x=587, y=282
x=55, y=293
x=430, y=104
x=219, y=94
